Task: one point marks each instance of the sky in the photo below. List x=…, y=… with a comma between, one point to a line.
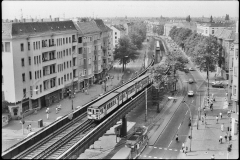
x=43, y=9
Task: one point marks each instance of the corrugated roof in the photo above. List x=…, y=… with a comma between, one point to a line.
x=101, y=25
x=33, y=28
x=87, y=27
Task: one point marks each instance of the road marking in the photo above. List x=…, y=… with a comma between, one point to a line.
x=165, y=148
x=186, y=113
x=150, y=156
x=160, y=158
x=179, y=125
x=175, y=150
x=155, y=157
x=150, y=146
x=170, y=144
x=160, y=148
x=154, y=147
x=170, y=149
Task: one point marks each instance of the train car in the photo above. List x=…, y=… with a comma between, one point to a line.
x=102, y=107
x=123, y=153
x=157, y=46
x=142, y=82
x=126, y=92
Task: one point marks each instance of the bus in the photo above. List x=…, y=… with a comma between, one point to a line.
x=123, y=153
x=158, y=46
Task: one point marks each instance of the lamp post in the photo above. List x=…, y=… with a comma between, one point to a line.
x=191, y=123
x=25, y=111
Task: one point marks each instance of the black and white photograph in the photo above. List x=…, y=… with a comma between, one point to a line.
x=143, y=79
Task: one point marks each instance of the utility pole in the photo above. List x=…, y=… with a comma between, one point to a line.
x=146, y=105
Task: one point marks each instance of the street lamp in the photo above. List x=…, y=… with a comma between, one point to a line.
x=191, y=123
x=26, y=110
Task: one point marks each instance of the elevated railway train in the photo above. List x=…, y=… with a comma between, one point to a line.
x=103, y=107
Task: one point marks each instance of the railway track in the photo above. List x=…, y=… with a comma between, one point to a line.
x=58, y=138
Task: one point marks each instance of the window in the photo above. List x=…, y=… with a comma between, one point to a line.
x=33, y=45
x=40, y=88
x=236, y=53
x=39, y=58
x=30, y=75
x=79, y=50
x=24, y=92
x=70, y=63
x=67, y=52
x=115, y=37
x=63, y=52
x=2, y=47
x=29, y=46
x=22, y=62
x=22, y=48
x=235, y=71
x=59, y=81
x=66, y=40
x=115, y=33
x=67, y=64
x=79, y=39
x=212, y=31
x=234, y=90
x=40, y=73
x=7, y=47
x=68, y=76
x=69, y=39
x=23, y=77
x=63, y=40
x=29, y=60
x=34, y=59
x=64, y=66
x=64, y=77
x=62, y=80
x=36, y=45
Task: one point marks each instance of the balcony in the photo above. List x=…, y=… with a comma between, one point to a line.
x=49, y=62
x=49, y=48
x=49, y=76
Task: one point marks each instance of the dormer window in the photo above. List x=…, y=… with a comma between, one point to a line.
x=20, y=30
x=34, y=29
x=51, y=28
x=64, y=27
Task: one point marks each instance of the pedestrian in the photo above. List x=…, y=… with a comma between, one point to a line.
x=226, y=94
x=213, y=157
x=183, y=146
x=220, y=115
x=220, y=139
x=205, y=114
x=30, y=127
x=217, y=119
x=222, y=127
x=202, y=120
x=47, y=115
x=56, y=110
x=186, y=150
x=229, y=137
x=226, y=136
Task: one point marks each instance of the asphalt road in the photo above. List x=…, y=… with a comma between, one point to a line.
x=166, y=146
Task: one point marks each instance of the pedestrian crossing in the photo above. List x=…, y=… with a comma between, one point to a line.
x=153, y=157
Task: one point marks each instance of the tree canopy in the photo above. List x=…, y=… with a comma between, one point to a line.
x=188, y=19
x=158, y=29
x=227, y=17
x=138, y=34
x=125, y=51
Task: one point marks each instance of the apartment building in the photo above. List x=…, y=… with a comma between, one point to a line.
x=104, y=44
x=225, y=38
x=207, y=29
x=36, y=63
x=110, y=47
x=235, y=84
x=116, y=34
x=92, y=52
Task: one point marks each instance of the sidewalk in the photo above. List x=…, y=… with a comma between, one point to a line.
x=205, y=140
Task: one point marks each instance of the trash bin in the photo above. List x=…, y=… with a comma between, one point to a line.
x=40, y=123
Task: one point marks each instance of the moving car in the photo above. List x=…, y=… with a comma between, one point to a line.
x=190, y=93
x=217, y=84
x=190, y=80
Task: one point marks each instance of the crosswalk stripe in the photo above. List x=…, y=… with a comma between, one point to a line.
x=154, y=147
x=175, y=150
x=160, y=158
x=165, y=148
x=170, y=149
x=160, y=148
x=144, y=156
x=150, y=156
x=155, y=157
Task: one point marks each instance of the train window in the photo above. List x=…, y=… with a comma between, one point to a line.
x=93, y=111
x=89, y=110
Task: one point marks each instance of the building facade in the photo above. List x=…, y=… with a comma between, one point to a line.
x=235, y=85
x=116, y=34
x=92, y=53
x=37, y=63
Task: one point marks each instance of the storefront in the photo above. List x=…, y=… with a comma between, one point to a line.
x=52, y=98
x=35, y=103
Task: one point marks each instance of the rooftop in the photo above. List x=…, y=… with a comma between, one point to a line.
x=101, y=25
x=87, y=27
x=34, y=28
x=225, y=34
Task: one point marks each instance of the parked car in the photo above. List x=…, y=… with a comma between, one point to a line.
x=217, y=85
x=191, y=69
x=190, y=93
x=190, y=80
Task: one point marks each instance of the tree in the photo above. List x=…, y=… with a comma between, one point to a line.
x=211, y=19
x=136, y=40
x=227, y=17
x=207, y=54
x=125, y=51
x=188, y=19
x=5, y=107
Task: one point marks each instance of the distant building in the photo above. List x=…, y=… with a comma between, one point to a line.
x=181, y=24
x=116, y=35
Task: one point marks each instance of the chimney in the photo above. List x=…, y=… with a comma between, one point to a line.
x=24, y=20
x=15, y=20
x=42, y=20
x=50, y=18
x=32, y=20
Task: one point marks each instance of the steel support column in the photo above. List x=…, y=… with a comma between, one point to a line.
x=124, y=127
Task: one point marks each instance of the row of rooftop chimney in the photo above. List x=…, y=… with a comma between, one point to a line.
x=30, y=20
